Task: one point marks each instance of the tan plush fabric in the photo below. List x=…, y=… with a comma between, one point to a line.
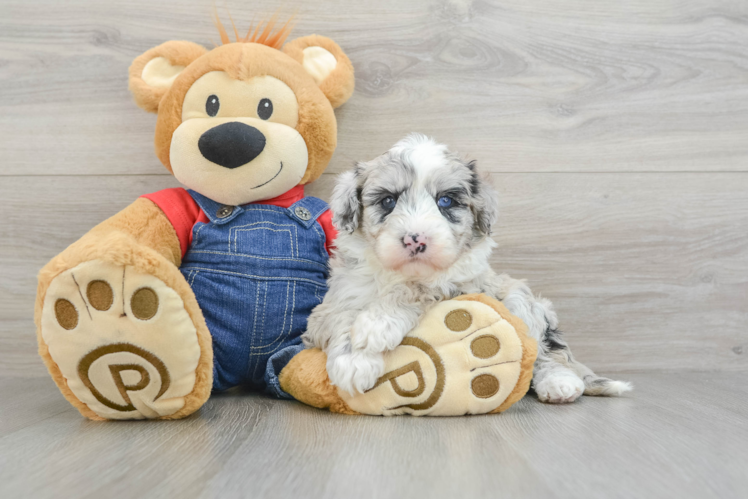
x=338, y=85
x=177, y=53
x=467, y=356
x=143, y=221
x=305, y=378
x=160, y=72
x=142, y=238
x=529, y=348
x=135, y=359
x=243, y=61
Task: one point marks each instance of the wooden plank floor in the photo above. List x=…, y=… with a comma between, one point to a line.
x=678, y=435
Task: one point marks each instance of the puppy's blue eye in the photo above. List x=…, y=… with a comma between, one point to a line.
x=445, y=202
x=389, y=203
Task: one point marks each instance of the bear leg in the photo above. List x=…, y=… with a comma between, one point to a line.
x=467, y=356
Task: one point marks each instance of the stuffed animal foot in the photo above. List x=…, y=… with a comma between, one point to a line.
x=467, y=356
x=122, y=344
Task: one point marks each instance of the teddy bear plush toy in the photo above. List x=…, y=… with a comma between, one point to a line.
x=192, y=290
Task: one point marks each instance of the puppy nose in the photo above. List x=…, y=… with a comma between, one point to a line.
x=231, y=144
x=415, y=242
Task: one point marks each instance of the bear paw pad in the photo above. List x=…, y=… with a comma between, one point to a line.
x=122, y=340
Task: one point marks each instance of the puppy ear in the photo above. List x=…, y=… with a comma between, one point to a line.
x=485, y=202
x=327, y=64
x=153, y=72
x=346, y=202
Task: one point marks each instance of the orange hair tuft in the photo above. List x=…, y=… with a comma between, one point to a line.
x=262, y=35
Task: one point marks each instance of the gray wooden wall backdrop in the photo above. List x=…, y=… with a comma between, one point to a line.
x=616, y=133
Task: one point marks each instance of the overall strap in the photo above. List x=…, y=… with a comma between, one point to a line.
x=216, y=212
x=307, y=210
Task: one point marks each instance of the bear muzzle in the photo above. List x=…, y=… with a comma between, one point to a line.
x=231, y=144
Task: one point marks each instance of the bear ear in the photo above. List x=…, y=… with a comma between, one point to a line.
x=153, y=72
x=326, y=62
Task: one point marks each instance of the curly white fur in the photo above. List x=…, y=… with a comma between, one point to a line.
x=394, y=261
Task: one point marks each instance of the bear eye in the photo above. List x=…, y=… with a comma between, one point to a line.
x=445, y=202
x=212, y=105
x=265, y=109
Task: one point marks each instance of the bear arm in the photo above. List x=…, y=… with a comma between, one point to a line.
x=144, y=221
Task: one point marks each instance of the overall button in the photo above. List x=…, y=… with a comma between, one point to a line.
x=224, y=211
x=302, y=213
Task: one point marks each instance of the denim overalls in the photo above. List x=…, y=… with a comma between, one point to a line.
x=257, y=272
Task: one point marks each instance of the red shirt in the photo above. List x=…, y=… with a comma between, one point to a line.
x=184, y=213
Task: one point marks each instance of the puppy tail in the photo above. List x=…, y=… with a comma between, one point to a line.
x=594, y=385
x=601, y=386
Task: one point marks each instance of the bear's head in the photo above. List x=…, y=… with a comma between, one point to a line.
x=246, y=121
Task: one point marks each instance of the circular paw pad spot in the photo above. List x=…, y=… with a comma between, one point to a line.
x=484, y=386
x=100, y=295
x=485, y=346
x=66, y=314
x=144, y=303
x=458, y=320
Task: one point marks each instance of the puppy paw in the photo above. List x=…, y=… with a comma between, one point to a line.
x=561, y=388
x=376, y=333
x=357, y=371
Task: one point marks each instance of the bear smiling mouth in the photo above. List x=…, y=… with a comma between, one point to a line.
x=266, y=182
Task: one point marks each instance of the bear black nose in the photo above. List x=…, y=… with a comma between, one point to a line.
x=231, y=144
